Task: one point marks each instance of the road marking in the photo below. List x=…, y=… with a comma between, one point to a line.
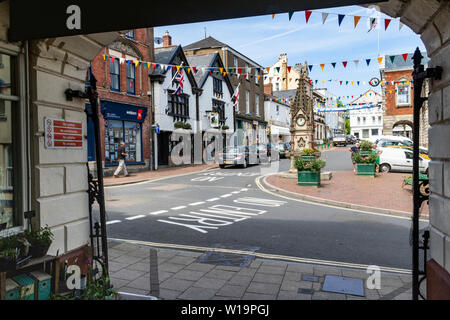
x=197, y=203
x=226, y=196
x=114, y=222
x=135, y=217
x=158, y=212
x=236, y=192
x=264, y=256
x=213, y=199
x=178, y=208
x=244, y=190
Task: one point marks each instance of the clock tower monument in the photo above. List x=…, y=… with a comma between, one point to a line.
x=302, y=117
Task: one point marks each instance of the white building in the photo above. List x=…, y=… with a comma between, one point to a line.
x=320, y=126
x=367, y=123
x=278, y=115
x=282, y=76
x=335, y=121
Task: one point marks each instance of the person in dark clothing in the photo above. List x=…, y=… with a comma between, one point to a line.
x=122, y=157
x=354, y=150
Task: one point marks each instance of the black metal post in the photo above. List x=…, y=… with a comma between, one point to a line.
x=93, y=98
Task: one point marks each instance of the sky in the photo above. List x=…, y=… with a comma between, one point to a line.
x=264, y=38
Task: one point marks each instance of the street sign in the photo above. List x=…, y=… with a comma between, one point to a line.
x=158, y=129
x=63, y=134
x=48, y=18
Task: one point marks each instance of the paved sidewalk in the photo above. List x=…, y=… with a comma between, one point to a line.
x=382, y=194
x=170, y=274
x=160, y=173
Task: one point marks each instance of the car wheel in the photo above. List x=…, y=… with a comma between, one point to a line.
x=385, y=167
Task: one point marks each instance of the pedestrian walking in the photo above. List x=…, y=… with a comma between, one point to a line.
x=354, y=150
x=122, y=156
x=377, y=152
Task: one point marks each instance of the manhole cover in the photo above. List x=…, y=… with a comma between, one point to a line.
x=310, y=278
x=343, y=285
x=228, y=259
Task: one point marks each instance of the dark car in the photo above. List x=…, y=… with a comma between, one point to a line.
x=239, y=156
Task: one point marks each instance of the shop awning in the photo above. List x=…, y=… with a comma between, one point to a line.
x=280, y=130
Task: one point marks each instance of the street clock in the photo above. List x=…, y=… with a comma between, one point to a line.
x=301, y=121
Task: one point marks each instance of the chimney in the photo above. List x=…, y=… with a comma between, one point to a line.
x=268, y=89
x=167, y=40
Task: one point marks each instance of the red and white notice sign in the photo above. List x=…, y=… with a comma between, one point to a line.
x=63, y=134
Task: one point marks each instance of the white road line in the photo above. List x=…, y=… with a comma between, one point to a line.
x=196, y=204
x=213, y=199
x=243, y=190
x=236, y=192
x=114, y=222
x=158, y=212
x=135, y=217
x=178, y=208
x=226, y=196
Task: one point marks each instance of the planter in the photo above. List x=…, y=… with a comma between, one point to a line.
x=365, y=169
x=309, y=178
x=365, y=153
x=309, y=158
x=39, y=251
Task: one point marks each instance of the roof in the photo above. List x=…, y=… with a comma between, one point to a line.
x=209, y=42
x=397, y=61
x=285, y=94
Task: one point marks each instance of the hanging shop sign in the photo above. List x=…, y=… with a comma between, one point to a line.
x=63, y=134
x=214, y=120
x=74, y=17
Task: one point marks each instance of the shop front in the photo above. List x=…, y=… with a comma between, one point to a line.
x=123, y=123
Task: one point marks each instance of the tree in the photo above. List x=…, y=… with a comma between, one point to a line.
x=347, y=126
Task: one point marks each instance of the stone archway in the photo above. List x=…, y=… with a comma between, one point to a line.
x=403, y=128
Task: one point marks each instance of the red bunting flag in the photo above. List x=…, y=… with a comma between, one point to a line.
x=307, y=15
x=344, y=63
x=289, y=69
x=405, y=56
x=239, y=70
x=386, y=23
x=194, y=69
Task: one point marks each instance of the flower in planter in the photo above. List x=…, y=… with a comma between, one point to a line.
x=313, y=166
x=308, y=151
x=366, y=159
x=365, y=146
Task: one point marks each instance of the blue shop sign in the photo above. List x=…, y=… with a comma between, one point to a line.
x=124, y=112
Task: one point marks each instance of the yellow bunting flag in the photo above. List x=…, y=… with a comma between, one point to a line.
x=221, y=70
x=189, y=70
x=380, y=59
x=178, y=68
x=322, y=66
x=323, y=81
x=356, y=20
x=268, y=70
x=273, y=15
x=104, y=57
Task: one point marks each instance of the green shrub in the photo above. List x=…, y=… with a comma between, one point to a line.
x=365, y=146
x=41, y=237
x=225, y=127
x=187, y=126
x=308, y=151
x=366, y=159
x=314, y=166
x=179, y=125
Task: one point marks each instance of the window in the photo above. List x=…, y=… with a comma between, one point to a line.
x=277, y=86
x=359, y=120
x=379, y=120
x=236, y=64
x=128, y=132
x=409, y=155
x=219, y=107
x=373, y=119
x=114, y=70
x=365, y=134
x=217, y=86
x=247, y=102
x=257, y=104
x=374, y=132
x=403, y=96
x=246, y=71
x=131, y=79
x=364, y=121
x=130, y=35
x=178, y=107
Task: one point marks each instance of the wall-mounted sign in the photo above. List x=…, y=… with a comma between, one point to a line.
x=214, y=120
x=63, y=134
x=374, y=82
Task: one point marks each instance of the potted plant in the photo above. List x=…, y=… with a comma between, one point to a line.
x=309, y=171
x=187, y=126
x=225, y=127
x=8, y=258
x=179, y=125
x=365, y=165
x=308, y=154
x=40, y=241
x=95, y=290
x=365, y=148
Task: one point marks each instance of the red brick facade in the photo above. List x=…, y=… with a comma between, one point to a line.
x=391, y=95
x=141, y=49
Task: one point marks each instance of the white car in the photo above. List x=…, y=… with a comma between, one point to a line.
x=393, y=159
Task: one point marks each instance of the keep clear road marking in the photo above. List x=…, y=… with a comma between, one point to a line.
x=158, y=212
x=197, y=204
x=213, y=199
x=178, y=208
x=114, y=222
x=226, y=195
x=221, y=215
x=135, y=217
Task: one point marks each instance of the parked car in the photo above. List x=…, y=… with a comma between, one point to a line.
x=264, y=152
x=283, y=149
x=398, y=159
x=239, y=156
x=351, y=139
x=340, y=140
x=402, y=143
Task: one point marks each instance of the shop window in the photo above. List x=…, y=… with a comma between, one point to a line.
x=178, y=107
x=131, y=79
x=114, y=70
x=118, y=131
x=403, y=95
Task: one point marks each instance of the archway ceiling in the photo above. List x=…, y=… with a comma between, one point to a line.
x=47, y=18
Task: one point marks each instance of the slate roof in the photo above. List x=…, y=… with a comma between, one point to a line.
x=399, y=62
x=285, y=94
x=205, y=60
x=209, y=42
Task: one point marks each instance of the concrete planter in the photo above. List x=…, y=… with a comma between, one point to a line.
x=309, y=178
x=365, y=169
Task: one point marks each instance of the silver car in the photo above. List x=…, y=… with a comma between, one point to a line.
x=239, y=156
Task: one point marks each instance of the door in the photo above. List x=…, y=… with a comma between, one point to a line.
x=163, y=148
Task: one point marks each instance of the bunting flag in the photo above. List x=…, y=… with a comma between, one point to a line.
x=333, y=64
x=400, y=25
x=386, y=23
x=322, y=66
x=310, y=68
x=291, y=13
x=307, y=15
x=405, y=56
x=278, y=69
x=356, y=20
x=344, y=63
x=392, y=58
x=368, y=61
x=324, y=17
x=380, y=59
x=340, y=18
x=289, y=69
x=373, y=23
x=268, y=70
x=356, y=63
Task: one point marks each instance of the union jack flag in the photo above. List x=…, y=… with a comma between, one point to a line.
x=179, y=78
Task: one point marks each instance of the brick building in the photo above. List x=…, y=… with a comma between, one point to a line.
x=123, y=87
x=398, y=97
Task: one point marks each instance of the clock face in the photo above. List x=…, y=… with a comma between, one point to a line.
x=301, y=121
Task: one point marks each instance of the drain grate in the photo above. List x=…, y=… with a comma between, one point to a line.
x=343, y=285
x=228, y=259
